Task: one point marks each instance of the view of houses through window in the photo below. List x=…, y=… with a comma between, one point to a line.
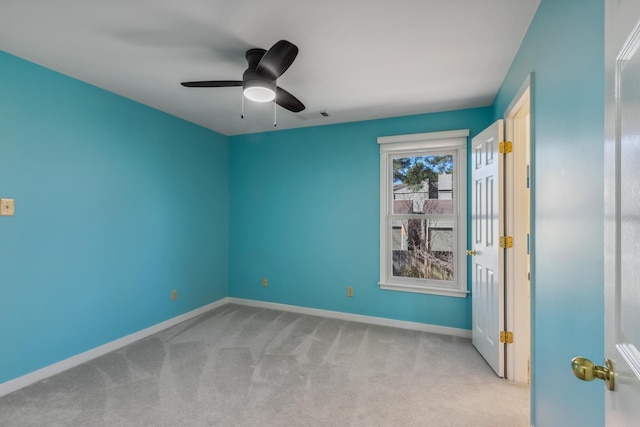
x=422, y=217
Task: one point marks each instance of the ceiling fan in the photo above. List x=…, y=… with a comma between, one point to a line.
x=259, y=79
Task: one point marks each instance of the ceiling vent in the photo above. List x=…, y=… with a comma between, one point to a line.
x=313, y=116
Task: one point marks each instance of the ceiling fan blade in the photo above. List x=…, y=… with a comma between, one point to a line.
x=213, y=83
x=288, y=101
x=277, y=59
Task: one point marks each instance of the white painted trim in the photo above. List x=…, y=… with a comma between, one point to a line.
x=48, y=371
x=401, y=147
x=518, y=101
x=420, y=289
x=379, y=321
x=454, y=142
x=428, y=136
x=518, y=301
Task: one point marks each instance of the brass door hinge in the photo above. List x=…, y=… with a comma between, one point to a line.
x=506, y=242
x=506, y=337
x=505, y=147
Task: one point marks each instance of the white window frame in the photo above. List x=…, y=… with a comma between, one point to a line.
x=414, y=145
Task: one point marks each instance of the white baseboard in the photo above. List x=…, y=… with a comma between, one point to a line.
x=35, y=376
x=56, y=368
x=380, y=321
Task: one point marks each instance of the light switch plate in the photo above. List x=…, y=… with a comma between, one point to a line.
x=7, y=207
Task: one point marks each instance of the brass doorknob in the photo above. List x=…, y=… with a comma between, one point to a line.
x=586, y=370
x=471, y=252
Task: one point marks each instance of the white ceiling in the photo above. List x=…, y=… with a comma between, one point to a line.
x=358, y=60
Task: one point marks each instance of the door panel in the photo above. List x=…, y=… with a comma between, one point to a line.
x=487, y=283
x=622, y=209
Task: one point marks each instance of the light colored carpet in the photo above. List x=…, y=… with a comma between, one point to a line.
x=243, y=366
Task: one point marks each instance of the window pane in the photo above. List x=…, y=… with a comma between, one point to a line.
x=423, y=184
x=423, y=248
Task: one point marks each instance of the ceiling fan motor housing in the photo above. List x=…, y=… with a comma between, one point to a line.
x=256, y=86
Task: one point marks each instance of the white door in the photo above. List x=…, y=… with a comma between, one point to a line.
x=487, y=291
x=622, y=210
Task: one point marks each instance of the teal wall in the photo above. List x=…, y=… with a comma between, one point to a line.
x=564, y=48
x=116, y=205
x=306, y=214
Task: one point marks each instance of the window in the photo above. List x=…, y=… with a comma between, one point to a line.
x=423, y=217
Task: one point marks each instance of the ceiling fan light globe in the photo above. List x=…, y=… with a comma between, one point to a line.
x=259, y=94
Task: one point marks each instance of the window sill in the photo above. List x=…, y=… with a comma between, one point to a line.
x=424, y=290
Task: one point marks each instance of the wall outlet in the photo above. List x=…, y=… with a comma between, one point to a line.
x=174, y=295
x=349, y=291
x=265, y=282
x=7, y=207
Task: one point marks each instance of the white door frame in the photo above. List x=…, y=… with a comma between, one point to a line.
x=518, y=118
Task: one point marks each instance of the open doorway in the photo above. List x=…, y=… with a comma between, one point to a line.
x=518, y=224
